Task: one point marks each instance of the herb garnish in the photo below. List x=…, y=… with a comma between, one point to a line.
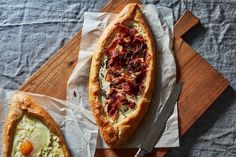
x=103, y=93
x=102, y=64
x=123, y=113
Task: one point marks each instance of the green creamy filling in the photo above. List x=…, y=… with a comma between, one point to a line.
x=45, y=144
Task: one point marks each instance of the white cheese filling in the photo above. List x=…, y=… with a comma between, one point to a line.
x=44, y=143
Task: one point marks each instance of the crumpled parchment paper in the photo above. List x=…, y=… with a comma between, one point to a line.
x=73, y=120
x=161, y=22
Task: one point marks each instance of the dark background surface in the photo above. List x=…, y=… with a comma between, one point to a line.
x=31, y=31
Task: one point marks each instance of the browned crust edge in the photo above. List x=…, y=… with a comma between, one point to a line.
x=114, y=136
x=23, y=104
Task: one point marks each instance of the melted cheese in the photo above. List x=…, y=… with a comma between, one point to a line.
x=44, y=142
x=105, y=85
x=138, y=27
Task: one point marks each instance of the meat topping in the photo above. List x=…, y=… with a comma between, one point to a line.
x=126, y=66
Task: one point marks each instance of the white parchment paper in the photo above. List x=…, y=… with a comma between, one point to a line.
x=74, y=122
x=161, y=22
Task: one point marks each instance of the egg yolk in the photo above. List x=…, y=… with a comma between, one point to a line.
x=26, y=148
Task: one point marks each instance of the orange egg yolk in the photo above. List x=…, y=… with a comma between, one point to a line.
x=26, y=148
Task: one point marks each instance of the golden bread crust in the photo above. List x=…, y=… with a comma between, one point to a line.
x=23, y=104
x=115, y=135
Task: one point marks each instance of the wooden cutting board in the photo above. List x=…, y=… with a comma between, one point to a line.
x=202, y=83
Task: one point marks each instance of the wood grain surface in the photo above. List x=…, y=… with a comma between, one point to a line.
x=202, y=83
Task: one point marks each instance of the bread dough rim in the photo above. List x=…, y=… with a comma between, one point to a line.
x=23, y=104
x=114, y=136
